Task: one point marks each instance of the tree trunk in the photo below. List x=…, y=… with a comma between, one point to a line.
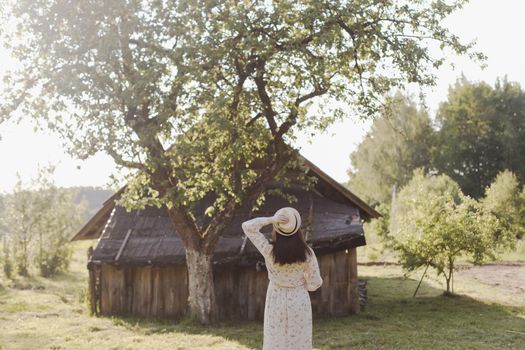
x=199, y=243
x=450, y=276
x=452, y=281
x=201, y=291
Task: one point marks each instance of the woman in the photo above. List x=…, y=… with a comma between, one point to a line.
x=293, y=271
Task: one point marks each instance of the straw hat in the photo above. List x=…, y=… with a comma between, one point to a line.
x=293, y=224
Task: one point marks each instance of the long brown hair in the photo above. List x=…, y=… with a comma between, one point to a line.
x=290, y=249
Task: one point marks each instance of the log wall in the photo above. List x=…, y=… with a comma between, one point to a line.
x=161, y=291
x=143, y=291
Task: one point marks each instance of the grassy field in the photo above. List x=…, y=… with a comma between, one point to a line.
x=37, y=313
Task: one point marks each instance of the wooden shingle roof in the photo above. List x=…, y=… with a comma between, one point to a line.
x=326, y=185
x=149, y=237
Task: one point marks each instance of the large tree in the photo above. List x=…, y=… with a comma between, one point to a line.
x=481, y=132
x=399, y=141
x=203, y=97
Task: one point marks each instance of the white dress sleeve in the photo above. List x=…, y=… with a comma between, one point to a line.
x=252, y=229
x=312, y=274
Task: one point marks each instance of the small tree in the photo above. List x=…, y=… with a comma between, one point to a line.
x=60, y=220
x=6, y=258
x=23, y=211
x=504, y=199
x=437, y=225
x=37, y=223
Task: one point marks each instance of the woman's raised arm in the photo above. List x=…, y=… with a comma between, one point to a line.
x=252, y=229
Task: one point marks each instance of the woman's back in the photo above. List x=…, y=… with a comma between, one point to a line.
x=294, y=274
x=304, y=273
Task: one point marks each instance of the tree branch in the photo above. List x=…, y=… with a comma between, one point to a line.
x=252, y=192
x=292, y=116
x=251, y=121
x=269, y=113
x=357, y=66
x=119, y=159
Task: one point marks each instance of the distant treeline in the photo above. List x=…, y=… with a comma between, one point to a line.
x=93, y=197
x=478, y=132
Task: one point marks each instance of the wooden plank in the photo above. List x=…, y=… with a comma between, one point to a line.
x=181, y=283
x=354, y=293
x=223, y=288
x=325, y=262
x=242, y=297
x=166, y=283
x=128, y=290
x=98, y=288
x=137, y=295
x=261, y=289
x=147, y=289
x=235, y=280
x=340, y=285
x=332, y=301
x=117, y=289
x=340, y=261
x=109, y=278
x=250, y=280
x=157, y=293
x=123, y=245
x=105, y=305
x=92, y=291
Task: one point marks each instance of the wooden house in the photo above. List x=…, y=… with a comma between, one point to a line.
x=137, y=267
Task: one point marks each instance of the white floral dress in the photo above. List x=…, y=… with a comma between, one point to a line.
x=288, y=310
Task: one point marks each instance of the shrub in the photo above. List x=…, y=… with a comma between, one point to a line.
x=435, y=225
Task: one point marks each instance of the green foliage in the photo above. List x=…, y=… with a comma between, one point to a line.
x=399, y=141
x=37, y=223
x=421, y=184
x=216, y=82
x=482, y=132
x=20, y=218
x=7, y=264
x=435, y=224
x=505, y=200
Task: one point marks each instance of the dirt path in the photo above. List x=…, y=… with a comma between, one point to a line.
x=507, y=276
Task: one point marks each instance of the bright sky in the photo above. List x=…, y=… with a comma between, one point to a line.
x=498, y=27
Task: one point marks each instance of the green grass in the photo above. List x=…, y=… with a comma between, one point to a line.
x=37, y=313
